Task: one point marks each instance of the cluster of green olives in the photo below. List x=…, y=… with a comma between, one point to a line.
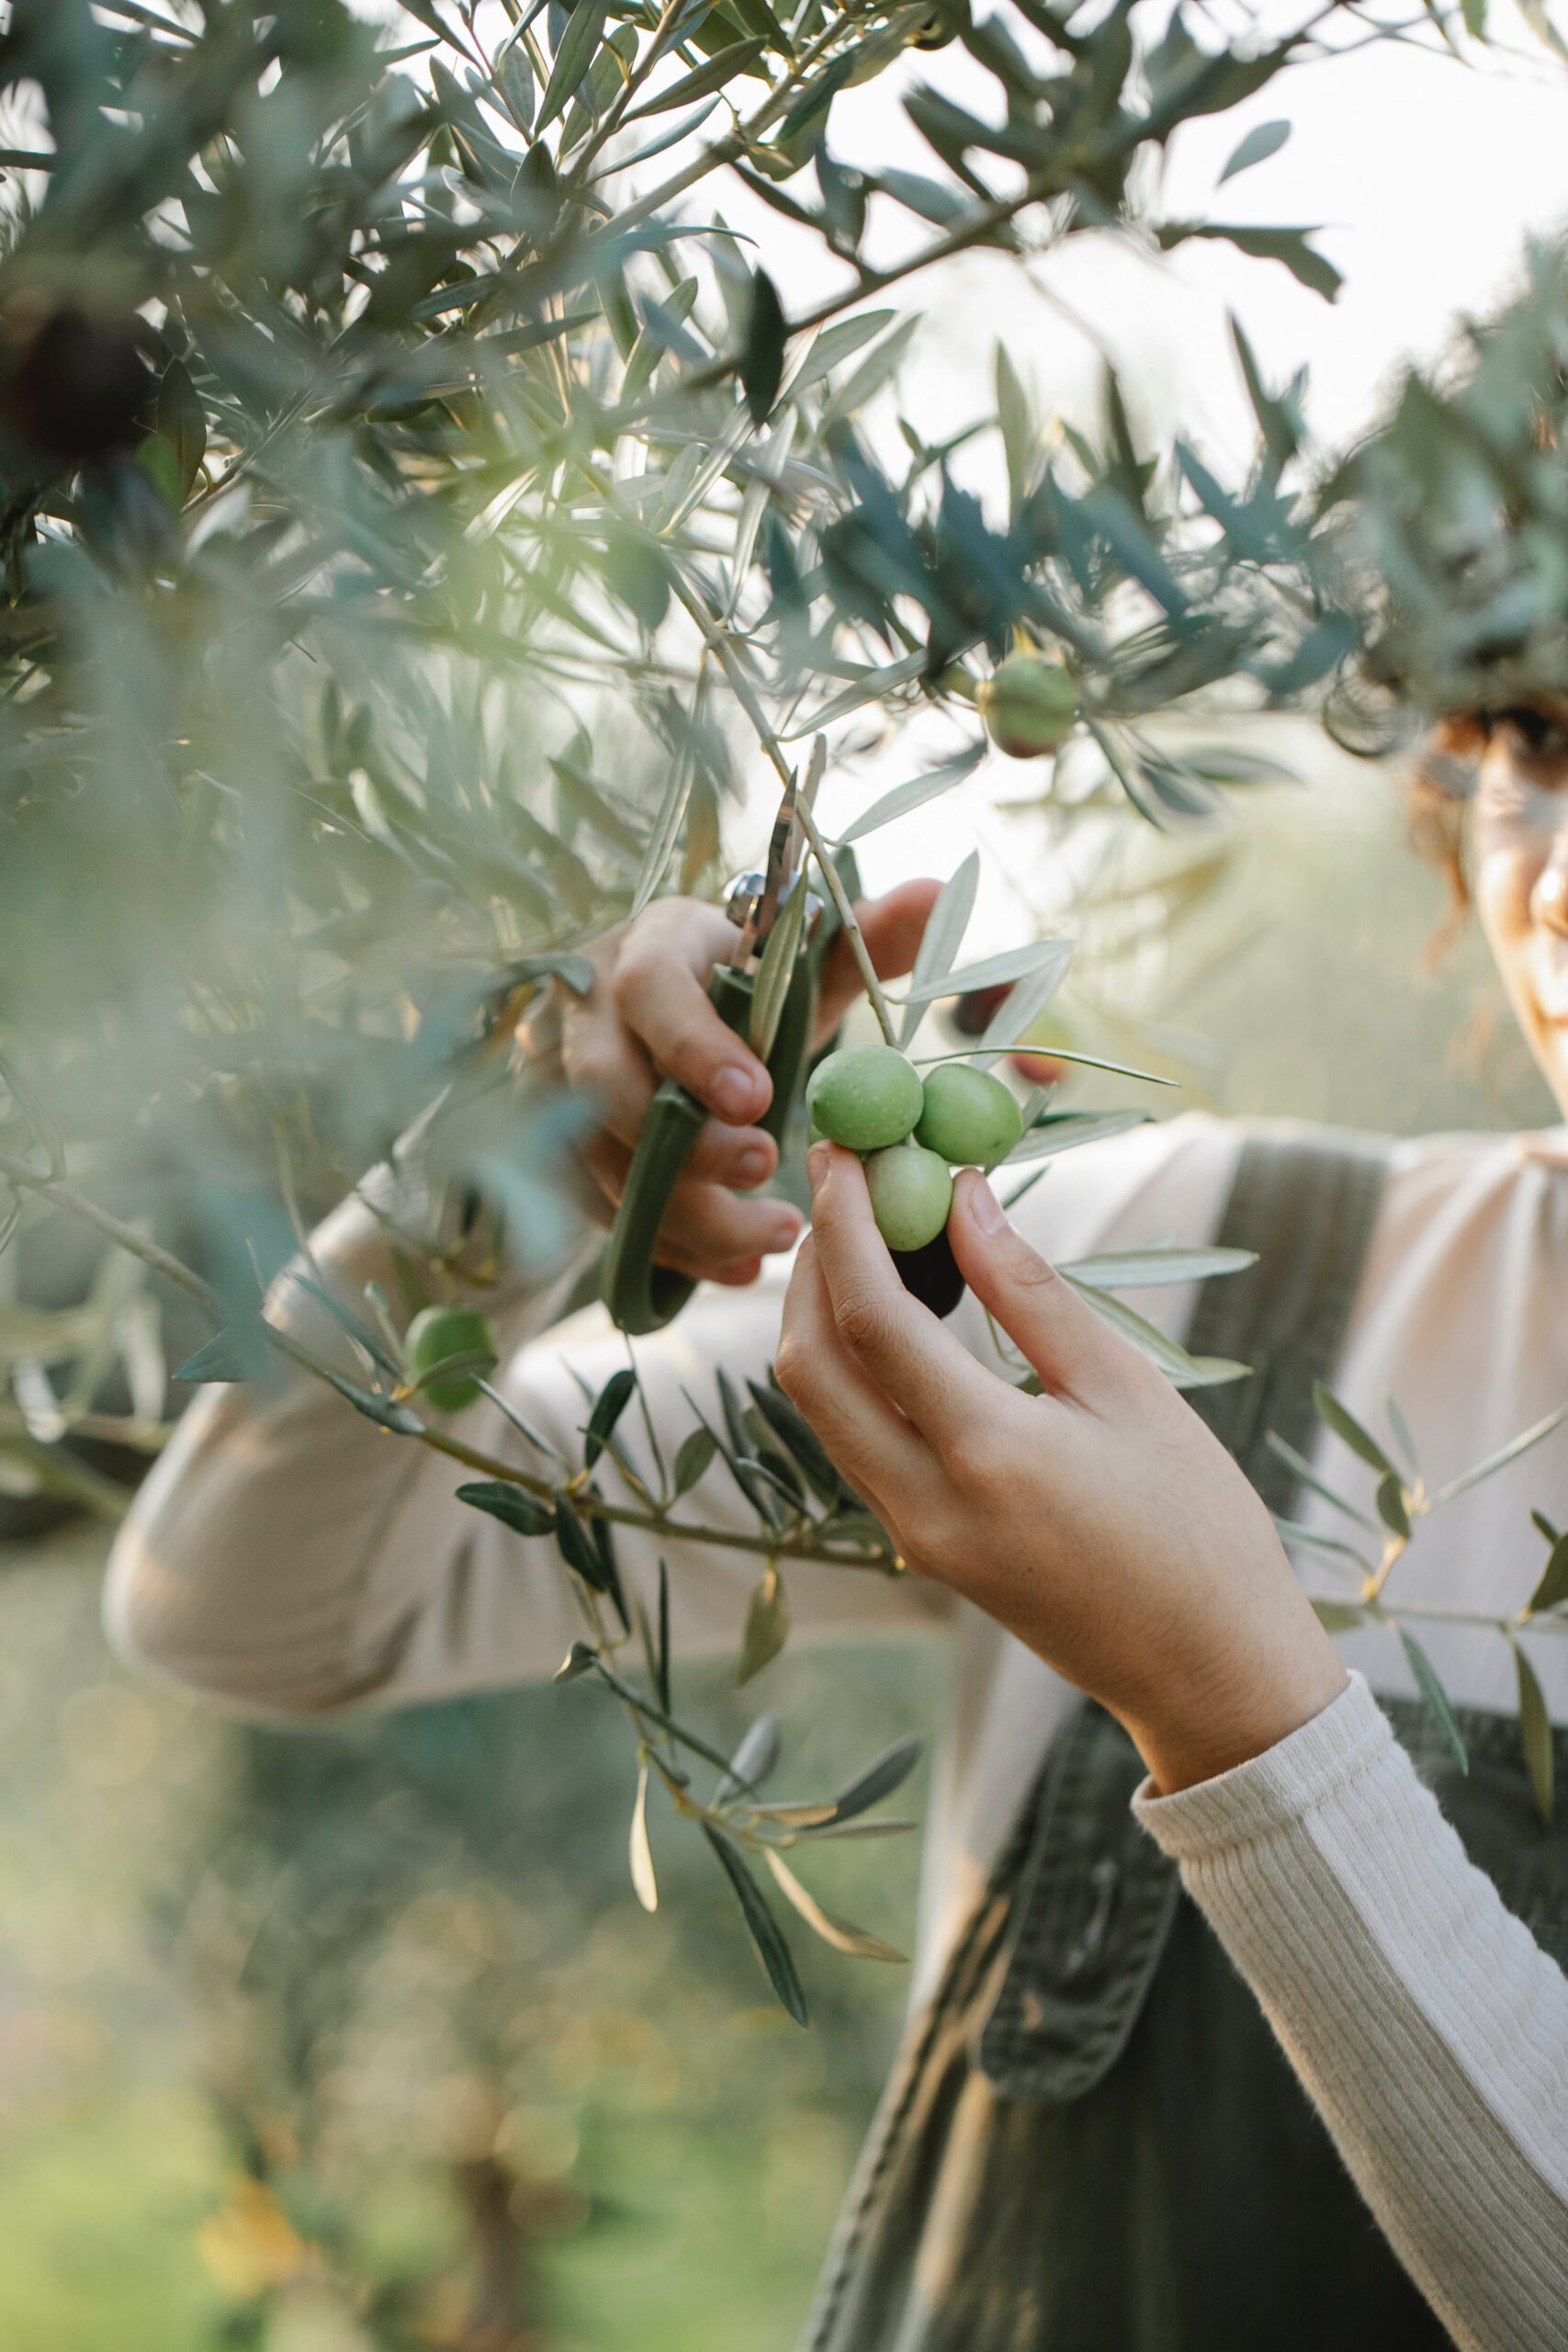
x=910, y=1132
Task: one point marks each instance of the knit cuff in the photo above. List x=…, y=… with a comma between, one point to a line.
x=1267, y=1793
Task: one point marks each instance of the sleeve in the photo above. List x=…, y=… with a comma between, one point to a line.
x=1426, y=2022
x=287, y=1557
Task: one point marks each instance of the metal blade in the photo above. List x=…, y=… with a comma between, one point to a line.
x=777, y=873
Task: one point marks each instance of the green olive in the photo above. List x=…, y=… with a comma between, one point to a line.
x=865, y=1097
x=911, y=1192
x=970, y=1118
x=1030, y=706
x=435, y=1336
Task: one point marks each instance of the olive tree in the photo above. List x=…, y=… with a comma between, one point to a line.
x=424, y=512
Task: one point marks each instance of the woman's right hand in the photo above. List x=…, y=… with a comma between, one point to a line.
x=648, y=1017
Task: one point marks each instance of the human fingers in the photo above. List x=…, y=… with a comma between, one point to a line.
x=892, y=928
x=604, y=1061
x=703, y=1220
x=869, y=1440
x=1069, y=1346
x=659, y=988
x=911, y=1356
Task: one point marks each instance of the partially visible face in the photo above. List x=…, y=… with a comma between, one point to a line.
x=1519, y=845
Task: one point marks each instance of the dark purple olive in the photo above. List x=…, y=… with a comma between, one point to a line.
x=932, y=1274
x=73, y=388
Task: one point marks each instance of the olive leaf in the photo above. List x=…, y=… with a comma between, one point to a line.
x=1534, y=1725
x=767, y=1625
x=776, y=972
x=905, y=797
x=1265, y=139
x=940, y=941
x=1552, y=1586
x=1350, y=1431
x=760, y=1926
x=837, y=1932
x=645, y=1884
x=610, y=1404
x=1434, y=1697
x=696, y=1451
x=511, y=1505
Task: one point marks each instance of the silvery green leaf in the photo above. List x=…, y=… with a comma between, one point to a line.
x=879, y=1780
x=643, y=1884
x=754, y=1760
x=697, y=1450
x=883, y=1827
x=1183, y=1370
x=1265, y=139
x=1535, y=1725
x=701, y=80
x=381, y=1409
x=236, y=1354
x=1170, y=1261
x=1402, y=1436
x=939, y=942
x=1016, y=421
x=763, y=484
x=776, y=972
x=914, y=793
x=874, y=371
x=767, y=1626
x=511, y=1505
x=1293, y=1532
x=1552, y=1586
x=1039, y=955
x=1349, y=1429
x=610, y=1404
x=581, y=39
x=711, y=464
x=833, y=344
x=871, y=685
x=1436, y=1699
x=1067, y=1130
x=1022, y=1005
x=1309, y=1477
x=1504, y=1454
x=760, y=1926
x=837, y=1932
x=1391, y=1505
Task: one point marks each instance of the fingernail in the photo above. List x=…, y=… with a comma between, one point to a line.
x=817, y=1164
x=784, y=1232
x=985, y=1207
x=754, y=1165
x=734, y=1093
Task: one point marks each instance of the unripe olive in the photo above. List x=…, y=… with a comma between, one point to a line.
x=970, y=1118
x=911, y=1192
x=1029, y=704
x=435, y=1335
x=864, y=1096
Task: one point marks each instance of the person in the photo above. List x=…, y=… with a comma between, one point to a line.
x=1238, y=2015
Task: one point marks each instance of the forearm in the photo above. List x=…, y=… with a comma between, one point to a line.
x=282, y=1550
x=1428, y=2026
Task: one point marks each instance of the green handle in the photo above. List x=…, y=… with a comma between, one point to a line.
x=640, y=1295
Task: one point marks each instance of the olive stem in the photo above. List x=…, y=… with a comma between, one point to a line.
x=846, y=912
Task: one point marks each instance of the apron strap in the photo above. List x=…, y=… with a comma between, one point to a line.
x=1093, y=1895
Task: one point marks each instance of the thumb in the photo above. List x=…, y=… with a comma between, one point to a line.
x=1043, y=1317
x=892, y=928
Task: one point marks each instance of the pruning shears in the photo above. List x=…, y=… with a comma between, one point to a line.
x=753, y=994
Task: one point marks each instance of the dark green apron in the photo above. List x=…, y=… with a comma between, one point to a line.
x=1091, y=2142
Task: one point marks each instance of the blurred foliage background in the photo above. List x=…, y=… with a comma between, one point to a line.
x=322, y=2041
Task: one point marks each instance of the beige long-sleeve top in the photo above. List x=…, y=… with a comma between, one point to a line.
x=287, y=1557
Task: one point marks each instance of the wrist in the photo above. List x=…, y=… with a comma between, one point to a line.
x=1207, y=1724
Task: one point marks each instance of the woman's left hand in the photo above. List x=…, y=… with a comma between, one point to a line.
x=1101, y=1521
